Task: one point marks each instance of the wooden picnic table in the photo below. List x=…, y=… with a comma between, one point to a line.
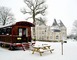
x=41, y=49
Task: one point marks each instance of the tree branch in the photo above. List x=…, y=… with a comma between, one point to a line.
x=29, y=3
x=24, y=11
x=39, y=3
x=28, y=18
x=41, y=11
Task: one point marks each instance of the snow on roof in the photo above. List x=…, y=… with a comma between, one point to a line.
x=55, y=28
x=1, y=26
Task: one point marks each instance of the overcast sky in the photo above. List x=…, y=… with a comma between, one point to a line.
x=65, y=10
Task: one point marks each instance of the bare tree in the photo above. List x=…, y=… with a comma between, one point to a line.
x=6, y=16
x=74, y=30
x=35, y=7
x=75, y=26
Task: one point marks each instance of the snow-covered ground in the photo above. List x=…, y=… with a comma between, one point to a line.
x=70, y=52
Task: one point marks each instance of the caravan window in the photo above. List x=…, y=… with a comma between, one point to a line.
x=20, y=32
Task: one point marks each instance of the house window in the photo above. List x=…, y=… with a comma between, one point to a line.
x=42, y=32
x=57, y=37
x=42, y=37
x=50, y=37
x=45, y=30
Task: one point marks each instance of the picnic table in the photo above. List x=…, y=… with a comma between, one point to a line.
x=42, y=48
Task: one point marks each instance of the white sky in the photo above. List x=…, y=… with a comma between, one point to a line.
x=64, y=10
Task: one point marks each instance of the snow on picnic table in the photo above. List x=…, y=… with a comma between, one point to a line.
x=70, y=52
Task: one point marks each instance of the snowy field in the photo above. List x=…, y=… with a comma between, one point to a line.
x=70, y=52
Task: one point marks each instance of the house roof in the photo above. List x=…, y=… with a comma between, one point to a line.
x=61, y=24
x=54, y=23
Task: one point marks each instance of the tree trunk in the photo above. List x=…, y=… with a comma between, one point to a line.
x=34, y=34
x=4, y=22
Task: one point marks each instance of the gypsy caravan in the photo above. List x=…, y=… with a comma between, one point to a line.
x=16, y=35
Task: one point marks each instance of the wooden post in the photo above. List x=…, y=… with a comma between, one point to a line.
x=62, y=47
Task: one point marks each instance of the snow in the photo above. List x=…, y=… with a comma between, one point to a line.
x=70, y=52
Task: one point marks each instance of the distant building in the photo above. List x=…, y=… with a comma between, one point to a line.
x=57, y=31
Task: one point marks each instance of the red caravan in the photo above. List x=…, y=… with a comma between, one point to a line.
x=16, y=35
